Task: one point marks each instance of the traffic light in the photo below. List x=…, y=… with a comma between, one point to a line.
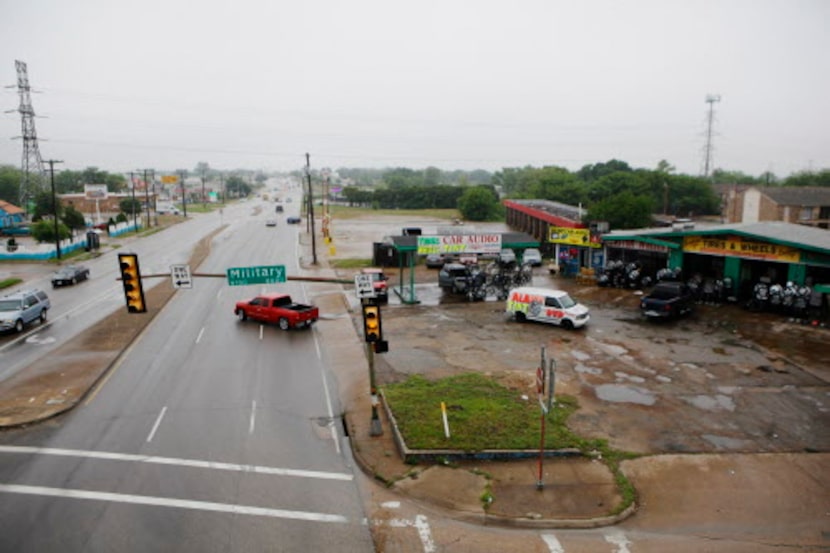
x=371, y=323
x=131, y=278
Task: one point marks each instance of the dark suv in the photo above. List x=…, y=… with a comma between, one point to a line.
x=453, y=277
x=21, y=308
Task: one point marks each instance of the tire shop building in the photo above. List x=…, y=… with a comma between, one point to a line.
x=746, y=253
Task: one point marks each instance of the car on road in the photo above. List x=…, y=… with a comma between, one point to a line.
x=277, y=309
x=532, y=257
x=23, y=307
x=271, y=223
x=293, y=220
x=70, y=274
x=379, y=282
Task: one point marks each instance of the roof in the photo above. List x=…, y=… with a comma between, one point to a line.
x=11, y=209
x=536, y=291
x=804, y=196
x=555, y=213
x=798, y=236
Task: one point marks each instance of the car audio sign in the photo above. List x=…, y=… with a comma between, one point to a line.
x=460, y=244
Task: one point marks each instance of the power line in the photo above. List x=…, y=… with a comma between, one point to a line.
x=32, y=162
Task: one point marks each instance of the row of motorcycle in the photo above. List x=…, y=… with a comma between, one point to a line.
x=495, y=279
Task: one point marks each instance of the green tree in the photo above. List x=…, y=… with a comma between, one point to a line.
x=130, y=206
x=236, y=187
x=10, y=184
x=623, y=211
x=809, y=178
x=45, y=206
x=479, y=203
x=44, y=231
x=73, y=218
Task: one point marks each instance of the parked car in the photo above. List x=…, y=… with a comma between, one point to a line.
x=70, y=274
x=667, y=300
x=453, y=277
x=277, y=309
x=507, y=256
x=21, y=308
x=532, y=256
x=271, y=223
x=547, y=306
x=293, y=220
x=279, y=208
x=435, y=261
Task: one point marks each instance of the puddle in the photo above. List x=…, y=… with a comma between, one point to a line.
x=618, y=393
x=580, y=368
x=579, y=355
x=630, y=378
x=719, y=402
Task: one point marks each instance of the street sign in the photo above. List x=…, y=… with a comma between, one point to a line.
x=363, y=286
x=267, y=274
x=181, y=276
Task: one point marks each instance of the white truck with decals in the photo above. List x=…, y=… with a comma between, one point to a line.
x=547, y=306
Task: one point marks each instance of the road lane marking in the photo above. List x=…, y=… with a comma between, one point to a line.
x=261, y=330
x=553, y=544
x=422, y=526
x=199, y=337
x=252, y=422
x=615, y=537
x=334, y=434
x=191, y=463
x=175, y=503
x=158, y=422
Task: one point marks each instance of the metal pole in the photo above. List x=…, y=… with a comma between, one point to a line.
x=147, y=198
x=52, y=163
x=311, y=210
x=540, y=389
x=375, y=429
x=132, y=187
x=183, y=174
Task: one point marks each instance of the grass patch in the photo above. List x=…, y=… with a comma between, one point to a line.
x=346, y=212
x=9, y=282
x=350, y=263
x=482, y=415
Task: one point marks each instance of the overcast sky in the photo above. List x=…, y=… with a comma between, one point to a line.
x=454, y=84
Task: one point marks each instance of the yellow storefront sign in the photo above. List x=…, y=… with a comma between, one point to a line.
x=169, y=179
x=572, y=237
x=736, y=247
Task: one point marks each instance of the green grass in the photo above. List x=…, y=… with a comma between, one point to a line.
x=350, y=263
x=346, y=212
x=9, y=282
x=482, y=414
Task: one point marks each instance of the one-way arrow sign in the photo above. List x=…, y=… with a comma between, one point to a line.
x=181, y=276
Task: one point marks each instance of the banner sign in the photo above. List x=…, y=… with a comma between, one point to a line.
x=95, y=191
x=460, y=244
x=737, y=247
x=573, y=237
x=169, y=179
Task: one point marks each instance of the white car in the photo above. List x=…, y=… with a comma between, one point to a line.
x=533, y=257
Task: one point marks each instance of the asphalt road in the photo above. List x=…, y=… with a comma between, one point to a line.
x=210, y=435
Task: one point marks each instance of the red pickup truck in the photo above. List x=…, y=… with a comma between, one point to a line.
x=279, y=309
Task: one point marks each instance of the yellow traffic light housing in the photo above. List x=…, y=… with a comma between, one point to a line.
x=131, y=278
x=371, y=323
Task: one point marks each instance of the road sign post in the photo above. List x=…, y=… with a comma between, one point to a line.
x=268, y=274
x=180, y=275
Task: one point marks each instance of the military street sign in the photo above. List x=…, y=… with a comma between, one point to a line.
x=268, y=274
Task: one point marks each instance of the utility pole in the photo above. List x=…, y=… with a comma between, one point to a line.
x=204, y=175
x=52, y=163
x=311, y=209
x=132, y=188
x=147, y=197
x=707, y=164
x=182, y=176
x=222, y=184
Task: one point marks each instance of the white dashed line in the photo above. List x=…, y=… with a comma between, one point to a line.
x=156, y=426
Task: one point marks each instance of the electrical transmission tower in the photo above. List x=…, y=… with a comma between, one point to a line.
x=32, y=178
x=707, y=151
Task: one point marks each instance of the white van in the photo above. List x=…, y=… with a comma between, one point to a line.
x=548, y=306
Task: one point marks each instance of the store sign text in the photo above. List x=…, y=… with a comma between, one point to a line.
x=741, y=248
